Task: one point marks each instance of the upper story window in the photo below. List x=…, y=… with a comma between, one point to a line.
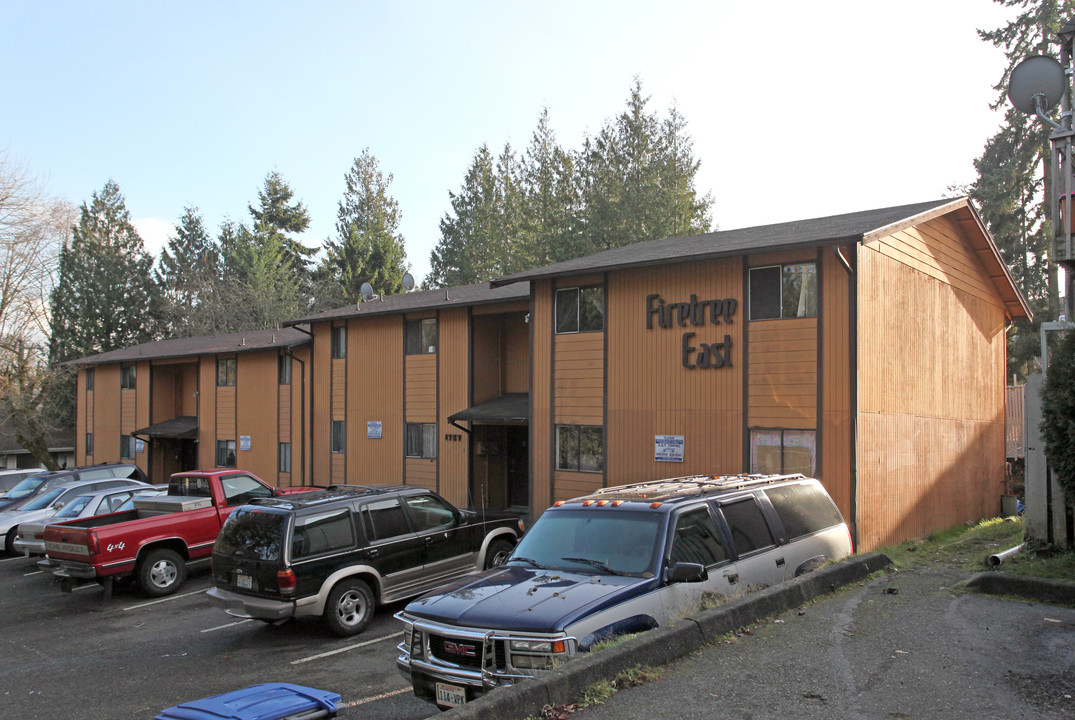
x=283, y=369
x=421, y=336
x=783, y=291
x=127, y=377
x=226, y=371
x=339, y=342
x=580, y=310
x=89, y=380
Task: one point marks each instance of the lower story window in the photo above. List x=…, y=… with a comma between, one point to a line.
x=580, y=447
x=339, y=436
x=284, y=458
x=126, y=447
x=775, y=451
x=89, y=443
x=225, y=453
x=421, y=440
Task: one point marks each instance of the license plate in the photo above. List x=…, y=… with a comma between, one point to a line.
x=244, y=581
x=451, y=695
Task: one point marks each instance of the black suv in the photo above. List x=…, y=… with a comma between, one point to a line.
x=339, y=552
x=34, y=485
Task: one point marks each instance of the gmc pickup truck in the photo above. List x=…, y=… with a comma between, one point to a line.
x=154, y=541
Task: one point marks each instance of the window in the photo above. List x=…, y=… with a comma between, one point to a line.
x=783, y=291
x=580, y=310
x=339, y=342
x=697, y=539
x=191, y=486
x=384, y=519
x=225, y=453
x=126, y=447
x=421, y=336
x=241, y=489
x=803, y=508
x=226, y=369
x=283, y=455
x=127, y=377
x=783, y=451
x=89, y=380
x=749, y=530
x=339, y=436
x=283, y=370
x=580, y=447
x=322, y=533
x=421, y=439
x=429, y=513
x=89, y=443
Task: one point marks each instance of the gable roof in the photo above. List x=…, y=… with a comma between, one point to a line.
x=859, y=226
x=239, y=342
x=417, y=300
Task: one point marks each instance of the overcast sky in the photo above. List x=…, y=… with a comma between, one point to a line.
x=796, y=109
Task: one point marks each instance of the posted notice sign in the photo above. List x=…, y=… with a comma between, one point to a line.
x=668, y=448
x=373, y=429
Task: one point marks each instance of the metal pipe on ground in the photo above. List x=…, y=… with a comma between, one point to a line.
x=1000, y=557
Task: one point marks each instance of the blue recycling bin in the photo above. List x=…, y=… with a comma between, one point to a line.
x=268, y=701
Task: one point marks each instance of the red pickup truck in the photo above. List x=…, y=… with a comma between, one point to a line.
x=155, y=541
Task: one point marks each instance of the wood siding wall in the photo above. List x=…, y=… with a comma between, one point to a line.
x=837, y=380
x=375, y=394
x=420, y=403
x=338, y=413
x=257, y=413
x=931, y=348
x=541, y=435
x=453, y=331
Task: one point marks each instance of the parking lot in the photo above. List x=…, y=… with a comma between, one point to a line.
x=74, y=656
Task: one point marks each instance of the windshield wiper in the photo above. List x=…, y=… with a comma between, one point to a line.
x=597, y=564
x=527, y=560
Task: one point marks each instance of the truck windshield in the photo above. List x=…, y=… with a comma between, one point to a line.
x=252, y=533
x=618, y=542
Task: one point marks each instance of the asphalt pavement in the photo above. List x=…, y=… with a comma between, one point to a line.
x=915, y=644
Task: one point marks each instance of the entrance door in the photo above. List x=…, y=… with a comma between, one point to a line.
x=500, y=467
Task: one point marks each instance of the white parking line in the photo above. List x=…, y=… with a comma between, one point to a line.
x=224, y=627
x=346, y=649
x=33, y=572
x=382, y=696
x=166, y=599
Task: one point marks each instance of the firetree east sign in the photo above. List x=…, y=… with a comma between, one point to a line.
x=695, y=313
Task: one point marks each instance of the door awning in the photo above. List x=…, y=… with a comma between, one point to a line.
x=507, y=409
x=179, y=428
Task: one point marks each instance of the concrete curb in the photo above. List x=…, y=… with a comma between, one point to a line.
x=664, y=644
x=1057, y=592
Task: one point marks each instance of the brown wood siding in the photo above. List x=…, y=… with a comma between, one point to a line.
x=142, y=397
x=454, y=373
x=651, y=393
x=835, y=435
x=783, y=374
x=516, y=353
x=421, y=390
x=339, y=388
x=575, y=484
x=422, y=472
x=321, y=389
x=257, y=416
x=225, y=412
x=207, y=429
x=374, y=388
x=540, y=396
x=83, y=417
x=106, y=413
x=931, y=350
x=579, y=379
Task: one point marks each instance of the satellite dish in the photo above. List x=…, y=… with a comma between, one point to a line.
x=1037, y=76
x=408, y=282
x=366, y=291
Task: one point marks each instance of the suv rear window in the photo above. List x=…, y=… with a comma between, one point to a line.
x=804, y=508
x=252, y=533
x=749, y=530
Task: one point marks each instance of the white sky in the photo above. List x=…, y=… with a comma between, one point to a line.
x=797, y=109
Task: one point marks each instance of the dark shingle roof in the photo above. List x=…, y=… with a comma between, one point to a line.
x=440, y=299
x=782, y=236
x=203, y=345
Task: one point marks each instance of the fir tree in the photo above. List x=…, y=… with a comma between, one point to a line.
x=188, y=272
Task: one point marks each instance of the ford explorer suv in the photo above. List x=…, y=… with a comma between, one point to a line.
x=621, y=560
x=339, y=553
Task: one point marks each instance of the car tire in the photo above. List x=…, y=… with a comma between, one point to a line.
x=349, y=608
x=9, y=540
x=161, y=572
x=498, y=552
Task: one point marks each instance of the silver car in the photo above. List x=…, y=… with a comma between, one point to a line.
x=50, y=502
x=30, y=536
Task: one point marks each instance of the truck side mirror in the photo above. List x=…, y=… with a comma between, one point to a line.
x=686, y=572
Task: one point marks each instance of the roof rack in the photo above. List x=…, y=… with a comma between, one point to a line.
x=690, y=485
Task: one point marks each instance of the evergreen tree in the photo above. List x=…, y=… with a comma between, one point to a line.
x=188, y=272
x=368, y=246
x=278, y=214
x=1058, y=413
x=550, y=230
x=105, y=283
x=1010, y=189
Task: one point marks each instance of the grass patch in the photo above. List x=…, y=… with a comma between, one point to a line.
x=968, y=547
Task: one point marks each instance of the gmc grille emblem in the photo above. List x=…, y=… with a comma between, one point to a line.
x=460, y=649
